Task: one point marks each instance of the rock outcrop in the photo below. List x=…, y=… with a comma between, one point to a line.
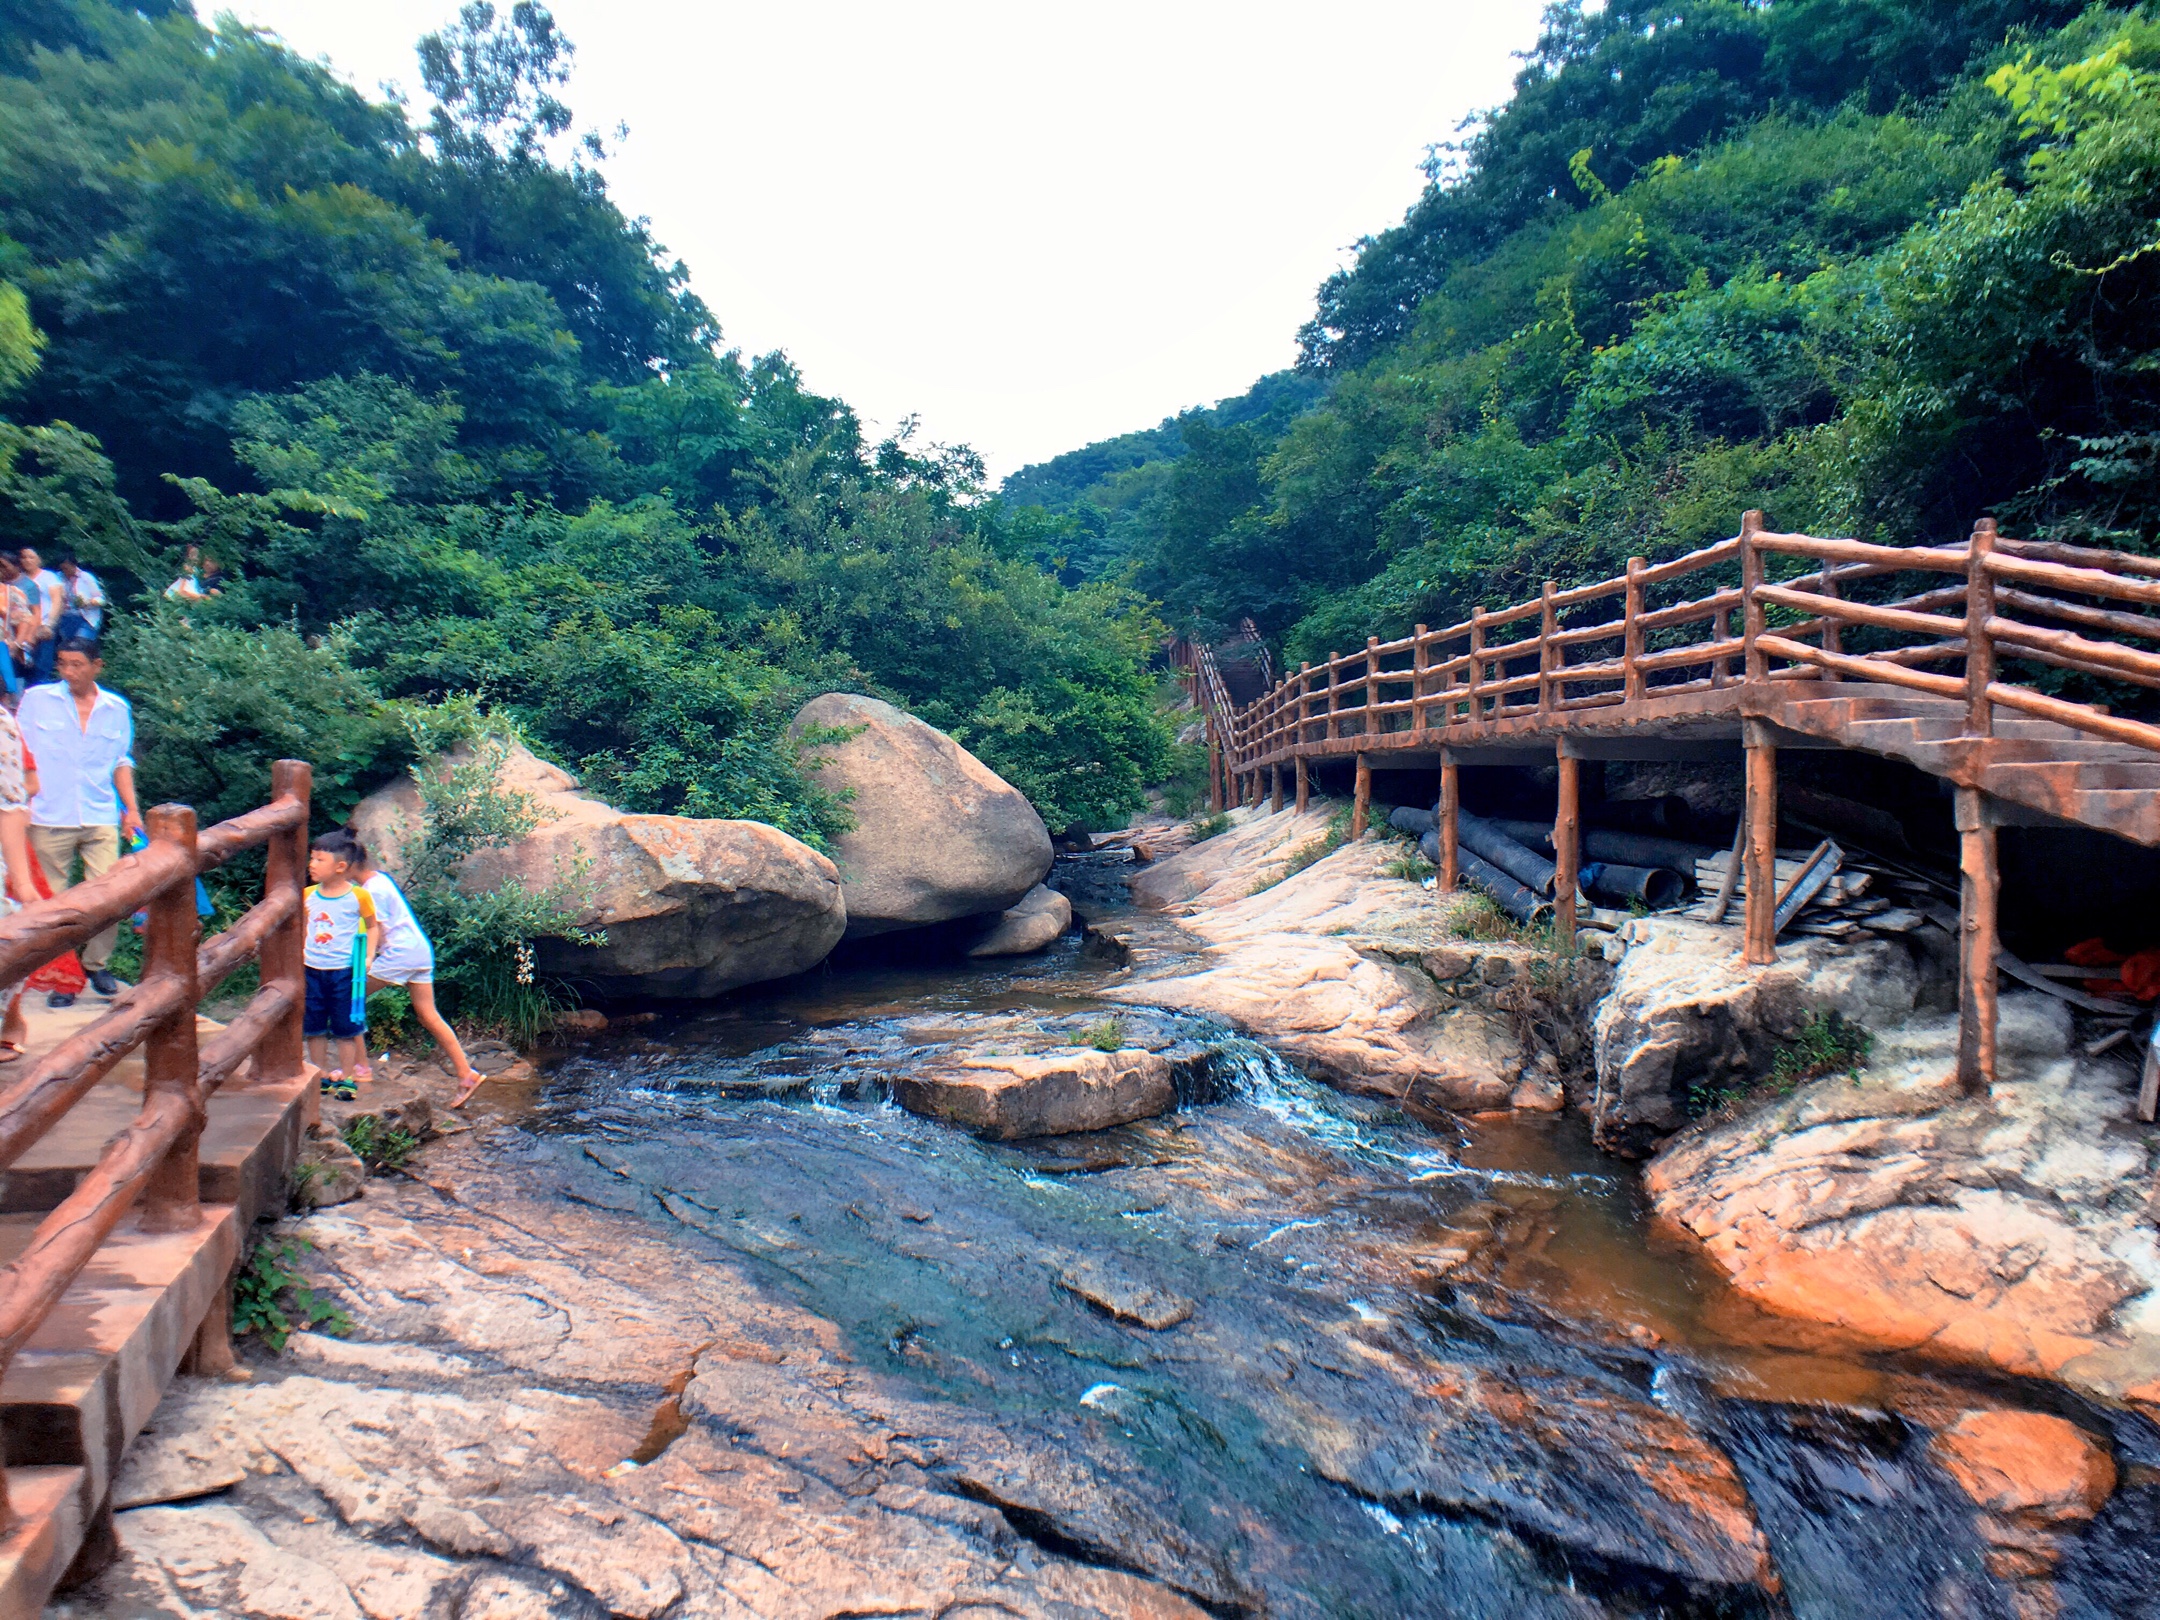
x=1054, y=1093
x=938, y=834
x=1359, y=978
x=689, y=907
x=1685, y=1012
x=1040, y=920
x=2011, y=1229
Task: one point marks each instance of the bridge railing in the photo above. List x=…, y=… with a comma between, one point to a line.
x=1861, y=612
x=153, y=1162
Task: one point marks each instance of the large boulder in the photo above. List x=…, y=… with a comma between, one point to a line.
x=1686, y=1016
x=1055, y=1093
x=1039, y=921
x=938, y=834
x=690, y=907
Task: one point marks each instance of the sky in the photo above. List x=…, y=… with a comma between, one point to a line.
x=1033, y=226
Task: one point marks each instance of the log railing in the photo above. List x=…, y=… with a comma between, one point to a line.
x=153, y=1162
x=1806, y=609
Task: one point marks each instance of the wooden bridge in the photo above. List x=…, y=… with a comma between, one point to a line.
x=1761, y=642
x=127, y=1186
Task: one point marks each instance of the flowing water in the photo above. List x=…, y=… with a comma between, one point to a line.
x=1426, y=1372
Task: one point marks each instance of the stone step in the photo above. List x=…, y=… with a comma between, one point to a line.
x=86, y=1382
x=46, y=1531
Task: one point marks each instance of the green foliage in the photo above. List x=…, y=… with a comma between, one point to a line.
x=1211, y=826
x=383, y=1148
x=1409, y=866
x=271, y=1298
x=390, y=1018
x=1107, y=1036
x=1828, y=1043
x=1311, y=852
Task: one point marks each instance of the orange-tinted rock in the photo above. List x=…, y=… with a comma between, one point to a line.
x=2028, y=1464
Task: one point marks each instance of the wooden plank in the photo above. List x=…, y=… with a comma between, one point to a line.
x=1723, y=901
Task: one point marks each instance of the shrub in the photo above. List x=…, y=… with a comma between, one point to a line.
x=272, y=1299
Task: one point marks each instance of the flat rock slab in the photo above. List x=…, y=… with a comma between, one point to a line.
x=177, y=1467
x=1054, y=1093
x=1124, y=1297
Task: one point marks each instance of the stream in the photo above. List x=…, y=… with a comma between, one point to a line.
x=1428, y=1369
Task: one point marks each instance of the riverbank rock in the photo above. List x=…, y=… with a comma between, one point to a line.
x=1328, y=966
x=2010, y=1229
x=690, y=907
x=1055, y=1093
x=1685, y=1012
x=1040, y=920
x=938, y=834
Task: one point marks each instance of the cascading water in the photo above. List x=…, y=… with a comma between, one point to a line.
x=1419, y=1376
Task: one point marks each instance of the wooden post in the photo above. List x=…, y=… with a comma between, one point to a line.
x=1214, y=770
x=1304, y=701
x=1304, y=783
x=1334, y=683
x=1477, y=661
x=1566, y=843
x=1275, y=788
x=1450, y=811
x=1833, y=633
x=1361, y=799
x=172, y=1200
x=1978, y=890
x=1980, y=675
x=1548, y=653
x=1418, y=664
x=1369, y=723
x=281, y=1053
x=1751, y=617
x=1761, y=928
x=1631, y=645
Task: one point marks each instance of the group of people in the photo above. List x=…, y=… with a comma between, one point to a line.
x=68, y=803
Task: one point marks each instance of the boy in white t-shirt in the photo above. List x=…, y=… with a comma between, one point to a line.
x=408, y=959
x=342, y=939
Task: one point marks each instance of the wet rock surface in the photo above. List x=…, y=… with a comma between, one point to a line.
x=938, y=834
x=1041, y=917
x=711, y=1328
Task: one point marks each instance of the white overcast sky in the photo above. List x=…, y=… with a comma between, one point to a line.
x=1034, y=225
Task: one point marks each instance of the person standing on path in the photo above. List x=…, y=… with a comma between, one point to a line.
x=407, y=958
x=48, y=595
x=82, y=607
x=342, y=938
x=84, y=739
x=18, y=781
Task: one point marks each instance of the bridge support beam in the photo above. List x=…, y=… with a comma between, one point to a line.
x=1567, y=847
x=1304, y=783
x=1450, y=811
x=1361, y=798
x=1275, y=789
x=1978, y=891
x=1761, y=812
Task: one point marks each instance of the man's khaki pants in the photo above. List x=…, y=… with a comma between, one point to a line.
x=56, y=849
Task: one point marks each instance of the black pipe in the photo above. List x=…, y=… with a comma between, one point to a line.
x=1632, y=849
x=1410, y=819
x=1510, y=896
x=1654, y=886
x=1523, y=864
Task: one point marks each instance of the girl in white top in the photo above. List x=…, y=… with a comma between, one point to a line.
x=407, y=959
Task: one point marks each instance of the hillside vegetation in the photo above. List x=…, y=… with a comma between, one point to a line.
x=1875, y=268
x=461, y=434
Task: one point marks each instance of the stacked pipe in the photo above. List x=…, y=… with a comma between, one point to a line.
x=1498, y=857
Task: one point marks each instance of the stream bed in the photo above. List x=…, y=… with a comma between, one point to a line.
x=1311, y=1356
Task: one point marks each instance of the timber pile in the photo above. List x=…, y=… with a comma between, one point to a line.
x=1860, y=901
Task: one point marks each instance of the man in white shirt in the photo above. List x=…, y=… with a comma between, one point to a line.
x=82, y=604
x=48, y=595
x=83, y=738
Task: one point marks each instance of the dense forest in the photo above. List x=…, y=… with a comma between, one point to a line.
x=463, y=441
x=1875, y=266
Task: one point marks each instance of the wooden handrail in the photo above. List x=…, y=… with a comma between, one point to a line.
x=154, y=1160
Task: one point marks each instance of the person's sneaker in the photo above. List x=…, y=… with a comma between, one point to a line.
x=60, y=998
x=102, y=981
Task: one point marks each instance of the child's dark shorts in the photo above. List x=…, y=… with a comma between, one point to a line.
x=329, y=1004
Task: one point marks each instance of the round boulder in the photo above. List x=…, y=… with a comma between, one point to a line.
x=690, y=907
x=938, y=834
x=1037, y=922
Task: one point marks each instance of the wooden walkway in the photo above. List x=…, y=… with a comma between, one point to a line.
x=1761, y=642
x=137, y=1146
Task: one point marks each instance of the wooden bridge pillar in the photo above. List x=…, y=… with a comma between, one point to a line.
x=1761, y=812
x=1978, y=891
x=1567, y=847
x=1361, y=798
x=171, y=1201
x=1275, y=788
x=1450, y=810
x=1304, y=783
